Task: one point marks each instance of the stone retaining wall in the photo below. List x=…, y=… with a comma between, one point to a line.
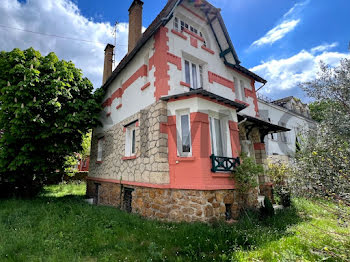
x=173, y=204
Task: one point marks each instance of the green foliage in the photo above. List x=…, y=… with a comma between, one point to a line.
x=323, y=165
x=246, y=174
x=319, y=109
x=46, y=106
x=72, y=160
x=60, y=226
x=280, y=173
x=70, y=165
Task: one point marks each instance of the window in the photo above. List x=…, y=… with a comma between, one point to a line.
x=238, y=90
x=176, y=24
x=201, y=35
x=99, y=149
x=193, y=75
x=241, y=87
x=283, y=135
x=216, y=136
x=183, y=25
x=130, y=140
x=184, y=134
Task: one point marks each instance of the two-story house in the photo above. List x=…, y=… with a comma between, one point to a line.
x=178, y=110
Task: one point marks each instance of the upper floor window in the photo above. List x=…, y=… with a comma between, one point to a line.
x=180, y=25
x=193, y=75
x=183, y=134
x=283, y=135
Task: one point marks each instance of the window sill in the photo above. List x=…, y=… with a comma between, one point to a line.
x=128, y=158
x=185, y=158
x=208, y=50
x=179, y=34
x=185, y=84
x=99, y=162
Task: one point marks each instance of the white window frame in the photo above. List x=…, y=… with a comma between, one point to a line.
x=283, y=135
x=199, y=74
x=179, y=115
x=130, y=140
x=99, y=149
x=176, y=24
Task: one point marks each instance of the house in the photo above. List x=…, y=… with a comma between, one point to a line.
x=178, y=110
x=289, y=112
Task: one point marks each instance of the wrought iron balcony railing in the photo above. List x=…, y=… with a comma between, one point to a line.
x=226, y=164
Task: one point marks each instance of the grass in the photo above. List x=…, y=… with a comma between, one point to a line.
x=60, y=226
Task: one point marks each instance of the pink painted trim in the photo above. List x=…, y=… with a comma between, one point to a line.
x=99, y=162
x=212, y=77
x=145, y=86
x=137, y=124
x=179, y=34
x=194, y=42
x=119, y=106
x=242, y=102
x=124, y=129
x=259, y=146
x=194, y=13
x=185, y=84
x=208, y=49
x=193, y=187
x=190, y=158
x=128, y=157
x=193, y=34
x=175, y=60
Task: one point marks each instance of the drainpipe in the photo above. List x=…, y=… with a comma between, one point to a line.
x=260, y=87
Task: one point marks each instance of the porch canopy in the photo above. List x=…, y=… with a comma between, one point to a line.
x=264, y=126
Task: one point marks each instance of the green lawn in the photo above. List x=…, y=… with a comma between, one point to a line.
x=60, y=226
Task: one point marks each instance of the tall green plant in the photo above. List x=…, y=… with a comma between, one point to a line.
x=45, y=106
x=246, y=174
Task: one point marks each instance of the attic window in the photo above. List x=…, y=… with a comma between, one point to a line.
x=183, y=25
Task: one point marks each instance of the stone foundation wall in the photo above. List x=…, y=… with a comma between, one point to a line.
x=173, y=204
x=151, y=163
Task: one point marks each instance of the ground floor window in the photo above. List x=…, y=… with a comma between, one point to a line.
x=183, y=134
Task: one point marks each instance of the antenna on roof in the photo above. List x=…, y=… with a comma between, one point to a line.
x=115, y=40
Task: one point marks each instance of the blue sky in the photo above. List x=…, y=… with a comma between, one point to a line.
x=281, y=40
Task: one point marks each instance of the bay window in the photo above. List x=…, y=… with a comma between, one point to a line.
x=216, y=135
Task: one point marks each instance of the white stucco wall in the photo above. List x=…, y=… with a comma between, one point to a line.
x=298, y=124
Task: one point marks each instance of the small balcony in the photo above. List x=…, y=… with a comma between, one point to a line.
x=223, y=164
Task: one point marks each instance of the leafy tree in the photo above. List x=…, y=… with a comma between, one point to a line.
x=319, y=109
x=323, y=164
x=45, y=107
x=73, y=159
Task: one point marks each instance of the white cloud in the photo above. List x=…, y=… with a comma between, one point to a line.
x=60, y=17
x=277, y=32
x=285, y=74
x=323, y=47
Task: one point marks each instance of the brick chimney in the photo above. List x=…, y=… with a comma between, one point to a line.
x=135, y=23
x=107, y=68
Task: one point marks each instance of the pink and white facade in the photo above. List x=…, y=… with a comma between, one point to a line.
x=177, y=100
